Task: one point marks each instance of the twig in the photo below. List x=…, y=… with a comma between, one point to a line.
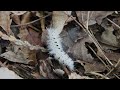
x=103, y=62
x=30, y=22
x=113, y=23
x=116, y=66
x=99, y=58
x=87, y=22
x=34, y=28
x=98, y=74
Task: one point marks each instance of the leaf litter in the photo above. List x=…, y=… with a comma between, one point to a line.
x=90, y=38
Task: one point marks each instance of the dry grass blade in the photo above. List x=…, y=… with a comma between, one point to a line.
x=110, y=70
x=113, y=23
x=98, y=74
x=88, y=13
x=116, y=66
x=99, y=58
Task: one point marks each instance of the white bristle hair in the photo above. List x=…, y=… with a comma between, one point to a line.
x=56, y=49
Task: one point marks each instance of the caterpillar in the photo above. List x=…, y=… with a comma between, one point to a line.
x=55, y=48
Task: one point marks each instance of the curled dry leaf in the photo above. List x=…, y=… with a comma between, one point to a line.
x=19, y=12
x=5, y=73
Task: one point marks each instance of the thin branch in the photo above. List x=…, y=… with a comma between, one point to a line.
x=110, y=70
x=116, y=66
x=87, y=22
x=113, y=23
x=98, y=74
x=30, y=22
x=99, y=58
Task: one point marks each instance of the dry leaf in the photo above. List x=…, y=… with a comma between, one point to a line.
x=5, y=73
x=20, y=43
x=108, y=37
x=94, y=66
x=79, y=51
x=59, y=18
x=5, y=21
x=33, y=37
x=19, y=12
x=13, y=57
x=16, y=19
x=46, y=70
x=23, y=30
x=114, y=57
x=70, y=35
x=42, y=21
x=94, y=16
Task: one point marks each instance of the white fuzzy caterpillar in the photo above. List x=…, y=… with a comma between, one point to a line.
x=56, y=49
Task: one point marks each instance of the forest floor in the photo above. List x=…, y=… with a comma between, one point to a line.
x=90, y=38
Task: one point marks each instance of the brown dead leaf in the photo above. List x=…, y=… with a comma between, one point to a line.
x=5, y=21
x=46, y=70
x=70, y=35
x=15, y=18
x=59, y=18
x=42, y=21
x=94, y=16
x=79, y=51
x=19, y=42
x=114, y=57
x=33, y=37
x=94, y=66
x=23, y=30
x=25, y=53
x=30, y=36
x=13, y=57
x=108, y=37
